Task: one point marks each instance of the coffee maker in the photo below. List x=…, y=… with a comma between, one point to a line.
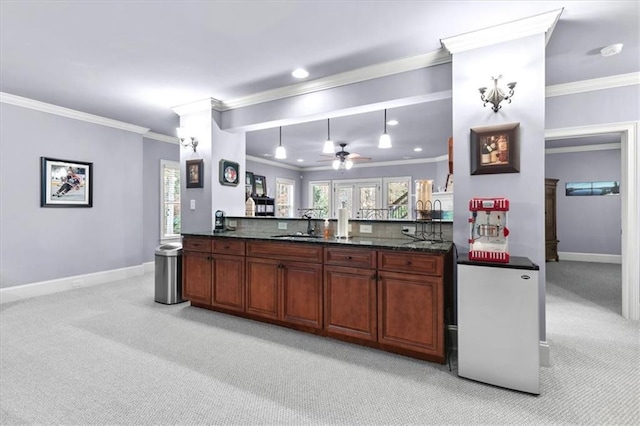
x=220, y=223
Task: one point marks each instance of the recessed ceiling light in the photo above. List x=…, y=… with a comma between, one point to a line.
x=417, y=149
x=300, y=73
x=392, y=122
x=612, y=49
x=300, y=160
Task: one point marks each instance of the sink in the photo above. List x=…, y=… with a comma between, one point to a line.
x=296, y=236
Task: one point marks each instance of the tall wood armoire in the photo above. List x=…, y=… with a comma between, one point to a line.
x=550, y=231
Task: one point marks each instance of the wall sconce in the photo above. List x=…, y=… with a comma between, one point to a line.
x=186, y=140
x=496, y=94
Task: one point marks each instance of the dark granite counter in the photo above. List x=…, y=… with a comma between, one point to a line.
x=404, y=244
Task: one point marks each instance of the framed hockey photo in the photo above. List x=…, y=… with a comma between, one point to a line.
x=65, y=183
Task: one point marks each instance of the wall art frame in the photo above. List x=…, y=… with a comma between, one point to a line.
x=259, y=186
x=495, y=149
x=65, y=183
x=195, y=173
x=228, y=172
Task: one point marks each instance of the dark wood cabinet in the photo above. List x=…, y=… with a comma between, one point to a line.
x=550, y=228
x=393, y=300
x=411, y=312
x=282, y=289
x=196, y=276
x=350, y=307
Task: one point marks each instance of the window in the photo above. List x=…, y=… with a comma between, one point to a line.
x=320, y=198
x=396, y=197
x=284, y=197
x=170, y=199
x=360, y=197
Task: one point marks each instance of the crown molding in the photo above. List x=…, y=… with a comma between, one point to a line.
x=162, y=138
x=371, y=72
x=385, y=163
x=583, y=148
x=69, y=113
x=601, y=83
x=202, y=105
x=273, y=163
x=543, y=23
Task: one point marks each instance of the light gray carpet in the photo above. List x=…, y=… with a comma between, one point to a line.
x=110, y=355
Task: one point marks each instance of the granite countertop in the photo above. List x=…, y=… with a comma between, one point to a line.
x=405, y=243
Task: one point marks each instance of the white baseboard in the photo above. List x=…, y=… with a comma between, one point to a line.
x=545, y=354
x=545, y=350
x=590, y=257
x=149, y=267
x=25, y=291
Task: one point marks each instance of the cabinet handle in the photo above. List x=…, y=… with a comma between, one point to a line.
x=374, y=276
x=349, y=257
x=408, y=263
x=209, y=257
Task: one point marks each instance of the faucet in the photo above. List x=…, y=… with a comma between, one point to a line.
x=310, y=229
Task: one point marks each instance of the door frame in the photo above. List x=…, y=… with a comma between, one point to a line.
x=629, y=187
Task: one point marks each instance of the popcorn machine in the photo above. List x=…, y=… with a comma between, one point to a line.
x=489, y=232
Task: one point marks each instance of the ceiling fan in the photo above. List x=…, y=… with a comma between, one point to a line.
x=345, y=159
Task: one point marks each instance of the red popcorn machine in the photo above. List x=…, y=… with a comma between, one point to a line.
x=489, y=232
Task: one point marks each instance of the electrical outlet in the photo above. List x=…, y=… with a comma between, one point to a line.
x=409, y=230
x=233, y=223
x=366, y=229
x=192, y=205
x=282, y=225
x=350, y=227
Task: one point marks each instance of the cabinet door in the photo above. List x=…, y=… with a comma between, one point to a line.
x=196, y=276
x=410, y=312
x=350, y=302
x=302, y=293
x=262, y=287
x=228, y=282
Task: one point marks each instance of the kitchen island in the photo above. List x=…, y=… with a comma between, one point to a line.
x=388, y=293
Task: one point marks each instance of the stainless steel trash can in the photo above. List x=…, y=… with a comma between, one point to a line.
x=169, y=274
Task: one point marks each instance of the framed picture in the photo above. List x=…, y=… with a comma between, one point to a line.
x=495, y=149
x=195, y=173
x=260, y=186
x=229, y=172
x=248, y=184
x=65, y=183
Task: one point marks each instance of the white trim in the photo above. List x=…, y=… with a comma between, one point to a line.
x=175, y=165
x=358, y=75
x=69, y=113
x=543, y=23
x=602, y=83
x=545, y=354
x=273, y=163
x=149, y=267
x=583, y=148
x=590, y=257
x=162, y=138
x=630, y=185
x=25, y=291
x=202, y=105
x=385, y=163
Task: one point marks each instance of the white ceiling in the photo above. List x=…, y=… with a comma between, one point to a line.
x=134, y=60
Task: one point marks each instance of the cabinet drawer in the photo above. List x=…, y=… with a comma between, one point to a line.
x=407, y=261
x=350, y=257
x=197, y=244
x=285, y=251
x=228, y=246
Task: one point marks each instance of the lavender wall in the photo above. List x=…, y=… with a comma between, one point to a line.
x=152, y=152
x=587, y=224
x=271, y=173
x=40, y=244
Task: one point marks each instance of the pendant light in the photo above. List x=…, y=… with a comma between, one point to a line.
x=385, y=139
x=328, y=145
x=281, y=153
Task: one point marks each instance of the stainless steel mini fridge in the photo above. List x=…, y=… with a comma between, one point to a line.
x=498, y=326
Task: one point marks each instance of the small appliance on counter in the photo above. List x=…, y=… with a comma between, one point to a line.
x=220, y=222
x=489, y=232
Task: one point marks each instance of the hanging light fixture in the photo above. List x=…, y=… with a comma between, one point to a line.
x=281, y=153
x=385, y=139
x=328, y=145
